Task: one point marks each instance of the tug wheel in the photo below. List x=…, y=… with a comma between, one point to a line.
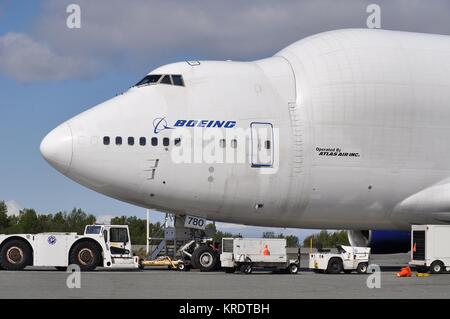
x=362, y=268
x=15, y=255
x=86, y=255
x=335, y=266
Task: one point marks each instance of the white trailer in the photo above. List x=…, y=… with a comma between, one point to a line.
x=430, y=248
x=347, y=260
x=101, y=246
x=245, y=254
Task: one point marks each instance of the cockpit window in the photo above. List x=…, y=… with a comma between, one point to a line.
x=177, y=80
x=149, y=79
x=166, y=80
x=170, y=79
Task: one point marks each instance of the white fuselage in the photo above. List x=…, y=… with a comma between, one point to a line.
x=358, y=122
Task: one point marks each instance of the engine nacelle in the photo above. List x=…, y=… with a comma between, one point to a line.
x=381, y=241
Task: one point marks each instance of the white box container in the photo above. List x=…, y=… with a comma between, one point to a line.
x=430, y=247
x=244, y=254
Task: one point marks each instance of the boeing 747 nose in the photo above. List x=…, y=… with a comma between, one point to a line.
x=57, y=148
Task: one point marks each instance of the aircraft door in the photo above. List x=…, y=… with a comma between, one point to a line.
x=262, y=144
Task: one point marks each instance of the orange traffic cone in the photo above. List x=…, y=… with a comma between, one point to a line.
x=405, y=272
x=266, y=251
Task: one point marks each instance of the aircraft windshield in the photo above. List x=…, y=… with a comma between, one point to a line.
x=170, y=79
x=149, y=79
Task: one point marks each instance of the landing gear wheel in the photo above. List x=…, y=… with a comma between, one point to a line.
x=335, y=266
x=362, y=268
x=293, y=269
x=437, y=267
x=204, y=258
x=85, y=255
x=15, y=255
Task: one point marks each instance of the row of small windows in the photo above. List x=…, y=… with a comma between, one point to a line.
x=166, y=142
x=142, y=141
x=170, y=79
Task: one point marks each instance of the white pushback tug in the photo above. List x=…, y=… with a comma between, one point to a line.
x=100, y=246
x=347, y=259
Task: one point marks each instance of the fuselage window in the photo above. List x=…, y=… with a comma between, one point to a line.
x=267, y=145
x=233, y=143
x=106, y=140
x=166, y=80
x=177, y=80
x=131, y=141
x=142, y=141
x=154, y=141
x=118, y=140
x=177, y=141
x=222, y=143
x=166, y=141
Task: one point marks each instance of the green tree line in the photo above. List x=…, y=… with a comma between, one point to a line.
x=291, y=240
x=326, y=239
x=29, y=222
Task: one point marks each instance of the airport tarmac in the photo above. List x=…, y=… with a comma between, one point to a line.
x=163, y=283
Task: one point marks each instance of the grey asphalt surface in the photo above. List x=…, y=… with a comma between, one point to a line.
x=163, y=283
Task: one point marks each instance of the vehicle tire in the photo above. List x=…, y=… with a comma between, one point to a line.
x=348, y=271
x=437, y=267
x=246, y=269
x=204, y=258
x=15, y=255
x=335, y=266
x=86, y=255
x=362, y=268
x=181, y=267
x=230, y=270
x=61, y=268
x=293, y=269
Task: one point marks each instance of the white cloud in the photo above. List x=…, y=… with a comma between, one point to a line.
x=26, y=60
x=13, y=207
x=141, y=34
x=219, y=29
x=104, y=219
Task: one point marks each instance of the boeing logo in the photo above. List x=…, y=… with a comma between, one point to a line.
x=205, y=123
x=160, y=124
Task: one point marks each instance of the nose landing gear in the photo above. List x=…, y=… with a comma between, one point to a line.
x=193, y=247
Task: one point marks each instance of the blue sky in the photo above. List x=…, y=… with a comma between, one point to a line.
x=49, y=73
x=28, y=111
